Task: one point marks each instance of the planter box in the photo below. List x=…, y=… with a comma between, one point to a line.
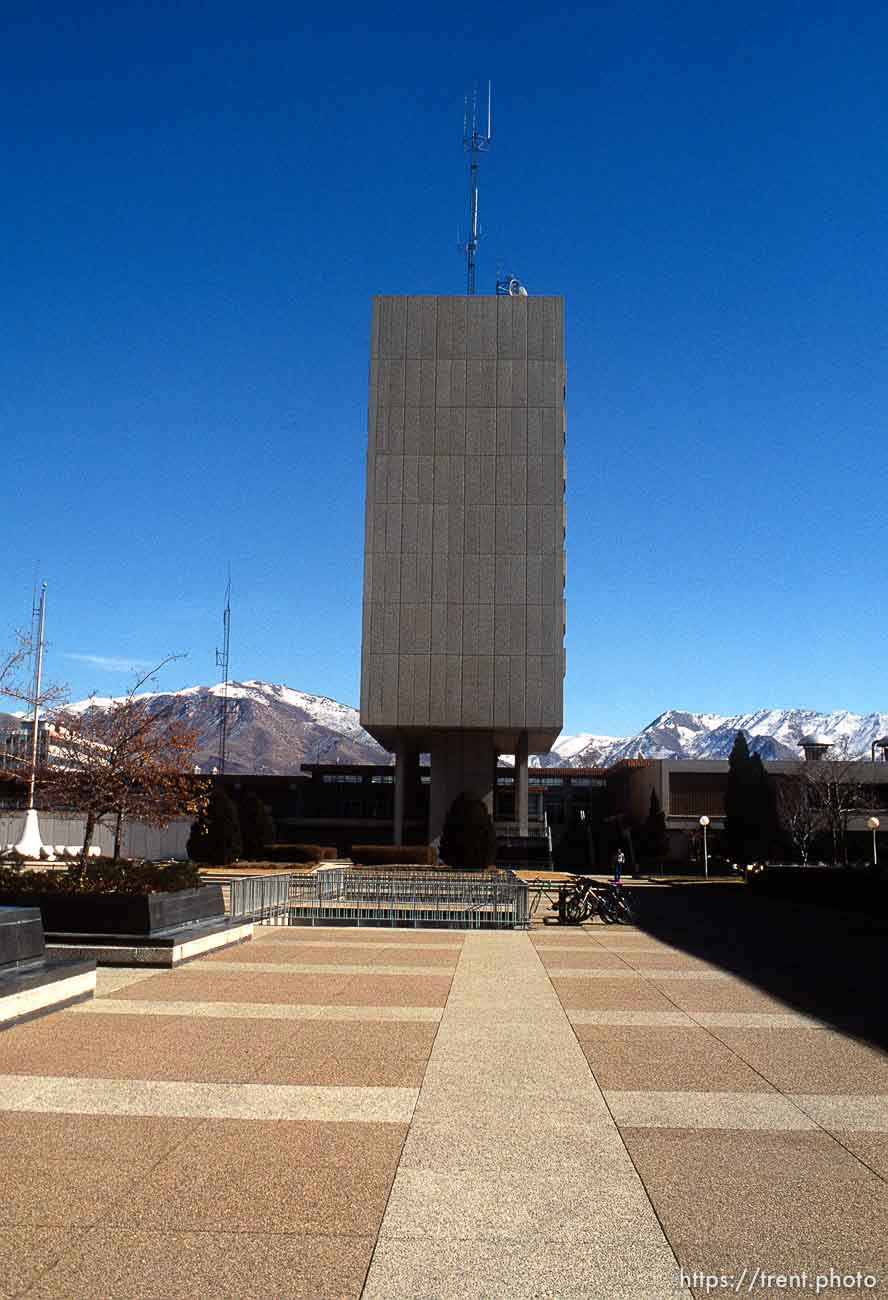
x=131, y=914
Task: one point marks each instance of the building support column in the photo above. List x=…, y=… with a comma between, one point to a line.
x=400, y=787
x=521, y=799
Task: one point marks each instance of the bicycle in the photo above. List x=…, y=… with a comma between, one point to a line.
x=588, y=896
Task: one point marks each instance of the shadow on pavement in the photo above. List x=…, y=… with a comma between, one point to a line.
x=819, y=961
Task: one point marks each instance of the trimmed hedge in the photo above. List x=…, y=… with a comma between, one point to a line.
x=386, y=855
x=299, y=853
x=104, y=876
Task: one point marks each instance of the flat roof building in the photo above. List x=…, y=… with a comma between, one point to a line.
x=463, y=622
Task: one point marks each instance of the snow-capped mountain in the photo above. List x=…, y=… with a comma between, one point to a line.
x=271, y=728
x=274, y=728
x=773, y=733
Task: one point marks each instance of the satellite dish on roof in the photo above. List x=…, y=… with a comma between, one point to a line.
x=510, y=286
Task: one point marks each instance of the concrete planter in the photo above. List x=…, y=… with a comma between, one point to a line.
x=131, y=914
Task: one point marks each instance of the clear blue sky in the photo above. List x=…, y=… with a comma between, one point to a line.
x=200, y=201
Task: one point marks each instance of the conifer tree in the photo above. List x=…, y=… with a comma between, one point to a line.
x=469, y=837
x=655, y=837
x=215, y=837
x=256, y=827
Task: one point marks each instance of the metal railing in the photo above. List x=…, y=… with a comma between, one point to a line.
x=472, y=900
x=262, y=899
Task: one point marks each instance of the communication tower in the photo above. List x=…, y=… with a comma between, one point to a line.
x=222, y=662
x=475, y=142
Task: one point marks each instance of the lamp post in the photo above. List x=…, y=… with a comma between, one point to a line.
x=874, y=825
x=704, y=822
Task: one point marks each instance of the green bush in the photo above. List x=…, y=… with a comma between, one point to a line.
x=391, y=855
x=256, y=827
x=215, y=836
x=469, y=837
x=298, y=853
x=104, y=876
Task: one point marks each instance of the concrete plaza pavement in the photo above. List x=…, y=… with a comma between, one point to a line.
x=609, y=1112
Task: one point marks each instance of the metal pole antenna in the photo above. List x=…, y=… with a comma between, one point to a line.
x=222, y=662
x=38, y=673
x=474, y=144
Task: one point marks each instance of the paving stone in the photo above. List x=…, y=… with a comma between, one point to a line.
x=27, y=1252
x=706, y=1110
x=281, y=1182
x=538, y=1269
x=672, y=1058
x=768, y=1193
x=120, y=1264
x=810, y=1060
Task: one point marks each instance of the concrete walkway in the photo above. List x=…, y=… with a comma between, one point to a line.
x=514, y=1180
x=332, y=1114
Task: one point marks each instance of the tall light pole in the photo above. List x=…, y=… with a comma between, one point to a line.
x=30, y=844
x=874, y=825
x=704, y=822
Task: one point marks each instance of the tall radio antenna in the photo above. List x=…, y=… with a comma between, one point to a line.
x=222, y=662
x=475, y=142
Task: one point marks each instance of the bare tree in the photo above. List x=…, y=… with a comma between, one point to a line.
x=800, y=812
x=823, y=796
x=126, y=762
x=15, y=683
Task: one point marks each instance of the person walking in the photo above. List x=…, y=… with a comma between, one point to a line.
x=619, y=863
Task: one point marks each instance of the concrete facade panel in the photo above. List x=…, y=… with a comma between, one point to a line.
x=422, y=628
x=512, y=328
x=441, y=529
x=422, y=325
x=455, y=628
x=511, y=430
x=438, y=642
x=517, y=698
x=480, y=430
x=388, y=705
x=517, y=629
x=471, y=576
x=421, y=690
x=408, y=578
x=410, y=469
x=470, y=632
x=407, y=535
x=484, y=690
x=485, y=629
x=440, y=562
x=470, y=712
x=393, y=524
x=487, y=530
x=534, y=629
x=426, y=479
x=455, y=578
x=392, y=334
x=438, y=703
x=481, y=327
x=501, y=686
x=534, y=690
x=465, y=516
x=425, y=520
x=453, y=690
x=480, y=383
x=405, y=690
x=424, y=577
x=486, y=579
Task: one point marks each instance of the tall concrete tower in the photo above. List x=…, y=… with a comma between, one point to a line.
x=463, y=635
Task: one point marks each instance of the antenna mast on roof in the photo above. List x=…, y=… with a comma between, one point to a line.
x=222, y=662
x=474, y=144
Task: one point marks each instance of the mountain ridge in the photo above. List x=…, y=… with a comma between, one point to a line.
x=274, y=728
